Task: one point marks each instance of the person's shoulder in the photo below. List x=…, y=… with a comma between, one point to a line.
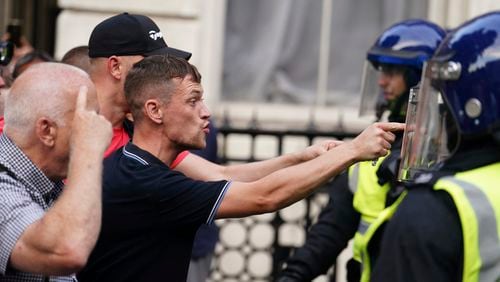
x=421, y=191
x=126, y=168
x=111, y=161
x=10, y=186
x=8, y=178
x=14, y=193
x=424, y=208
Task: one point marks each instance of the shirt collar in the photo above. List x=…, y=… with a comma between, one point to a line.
x=144, y=157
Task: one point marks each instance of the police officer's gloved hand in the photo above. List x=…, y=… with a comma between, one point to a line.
x=388, y=170
x=353, y=270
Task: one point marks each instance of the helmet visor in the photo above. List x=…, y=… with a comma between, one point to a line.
x=425, y=141
x=372, y=96
x=409, y=133
x=376, y=78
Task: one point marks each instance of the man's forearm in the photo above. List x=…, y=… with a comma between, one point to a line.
x=253, y=171
x=256, y=170
x=200, y=169
x=60, y=242
x=286, y=186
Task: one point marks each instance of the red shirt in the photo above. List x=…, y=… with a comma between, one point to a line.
x=120, y=138
x=1, y=125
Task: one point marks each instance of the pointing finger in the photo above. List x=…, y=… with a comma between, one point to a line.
x=391, y=126
x=81, y=99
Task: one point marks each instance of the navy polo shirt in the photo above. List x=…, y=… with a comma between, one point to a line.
x=150, y=216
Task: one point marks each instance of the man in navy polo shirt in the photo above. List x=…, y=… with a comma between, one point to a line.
x=151, y=213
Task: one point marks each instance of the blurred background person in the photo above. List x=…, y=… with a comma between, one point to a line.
x=78, y=57
x=29, y=59
x=6, y=53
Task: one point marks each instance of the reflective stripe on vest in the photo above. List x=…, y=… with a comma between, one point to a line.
x=353, y=178
x=476, y=195
x=383, y=217
x=369, y=198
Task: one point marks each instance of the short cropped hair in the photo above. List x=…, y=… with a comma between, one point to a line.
x=43, y=90
x=33, y=56
x=78, y=57
x=152, y=78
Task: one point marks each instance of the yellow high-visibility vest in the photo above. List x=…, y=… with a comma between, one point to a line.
x=476, y=194
x=384, y=216
x=369, y=198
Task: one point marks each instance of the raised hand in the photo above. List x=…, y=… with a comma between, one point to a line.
x=91, y=131
x=375, y=141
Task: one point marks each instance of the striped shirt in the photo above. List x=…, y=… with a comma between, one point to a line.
x=25, y=195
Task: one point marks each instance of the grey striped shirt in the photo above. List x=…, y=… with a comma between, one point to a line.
x=25, y=194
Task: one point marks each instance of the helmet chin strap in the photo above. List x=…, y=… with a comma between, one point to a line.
x=398, y=108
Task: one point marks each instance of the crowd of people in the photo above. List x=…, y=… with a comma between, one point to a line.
x=98, y=183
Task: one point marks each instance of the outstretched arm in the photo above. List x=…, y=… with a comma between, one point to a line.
x=60, y=242
x=201, y=169
x=286, y=186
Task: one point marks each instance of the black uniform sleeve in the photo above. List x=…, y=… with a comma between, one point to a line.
x=423, y=240
x=336, y=225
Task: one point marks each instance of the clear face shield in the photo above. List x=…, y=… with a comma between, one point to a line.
x=374, y=102
x=426, y=143
x=371, y=94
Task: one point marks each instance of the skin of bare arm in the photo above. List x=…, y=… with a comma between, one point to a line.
x=201, y=169
x=286, y=186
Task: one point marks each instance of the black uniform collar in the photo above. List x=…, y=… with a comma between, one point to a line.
x=470, y=159
x=461, y=161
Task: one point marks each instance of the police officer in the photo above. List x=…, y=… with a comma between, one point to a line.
x=394, y=65
x=447, y=227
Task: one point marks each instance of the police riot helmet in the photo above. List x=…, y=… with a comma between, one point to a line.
x=403, y=48
x=459, y=96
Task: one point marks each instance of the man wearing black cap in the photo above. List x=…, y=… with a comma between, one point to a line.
x=126, y=34
x=115, y=45
x=119, y=42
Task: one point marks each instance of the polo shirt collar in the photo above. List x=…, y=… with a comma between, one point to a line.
x=131, y=150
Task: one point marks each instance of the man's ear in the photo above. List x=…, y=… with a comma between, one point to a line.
x=46, y=131
x=153, y=111
x=115, y=68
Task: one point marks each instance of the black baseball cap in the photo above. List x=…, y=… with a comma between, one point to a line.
x=127, y=34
